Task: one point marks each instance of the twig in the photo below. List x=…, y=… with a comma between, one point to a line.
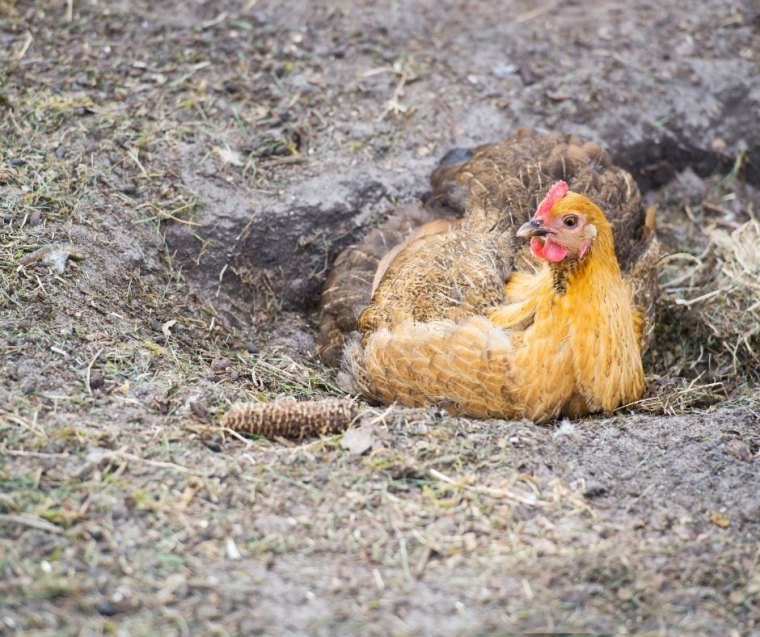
x=34, y=454
x=248, y=442
x=419, y=569
x=721, y=210
x=32, y=521
x=214, y=21
x=704, y=297
x=496, y=493
x=404, y=555
x=21, y=422
x=534, y=13
x=89, y=371
x=381, y=417
x=677, y=255
x=280, y=372
x=393, y=105
x=153, y=463
x=72, y=252
x=24, y=46
x=133, y=154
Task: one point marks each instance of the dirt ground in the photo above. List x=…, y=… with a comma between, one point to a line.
x=201, y=163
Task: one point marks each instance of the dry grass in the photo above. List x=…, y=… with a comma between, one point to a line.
x=707, y=340
x=731, y=310
x=708, y=325
x=719, y=289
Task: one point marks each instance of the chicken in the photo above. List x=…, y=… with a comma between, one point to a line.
x=489, y=190
x=566, y=341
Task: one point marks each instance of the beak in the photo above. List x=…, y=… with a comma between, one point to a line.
x=533, y=229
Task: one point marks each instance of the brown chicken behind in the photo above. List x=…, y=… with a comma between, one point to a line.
x=487, y=192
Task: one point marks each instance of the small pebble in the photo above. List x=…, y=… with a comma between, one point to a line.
x=198, y=408
x=28, y=387
x=119, y=512
x=220, y=364
x=96, y=381
x=739, y=450
x=213, y=444
x=106, y=608
x=595, y=490
x=206, y=612
x=503, y=70
x=96, y=533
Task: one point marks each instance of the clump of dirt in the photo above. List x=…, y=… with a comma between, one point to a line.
x=175, y=180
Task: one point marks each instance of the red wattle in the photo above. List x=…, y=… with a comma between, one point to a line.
x=547, y=249
x=553, y=251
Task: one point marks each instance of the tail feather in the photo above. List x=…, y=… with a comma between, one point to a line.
x=471, y=368
x=465, y=367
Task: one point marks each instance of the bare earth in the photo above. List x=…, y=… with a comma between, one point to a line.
x=201, y=163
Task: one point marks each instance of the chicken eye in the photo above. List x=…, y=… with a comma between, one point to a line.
x=570, y=221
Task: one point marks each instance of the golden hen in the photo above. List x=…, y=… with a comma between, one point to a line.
x=566, y=341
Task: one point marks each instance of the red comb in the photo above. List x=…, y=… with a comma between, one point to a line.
x=556, y=192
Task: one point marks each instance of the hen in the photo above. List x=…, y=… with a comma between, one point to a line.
x=442, y=328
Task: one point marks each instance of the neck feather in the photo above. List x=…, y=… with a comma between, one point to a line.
x=599, y=260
